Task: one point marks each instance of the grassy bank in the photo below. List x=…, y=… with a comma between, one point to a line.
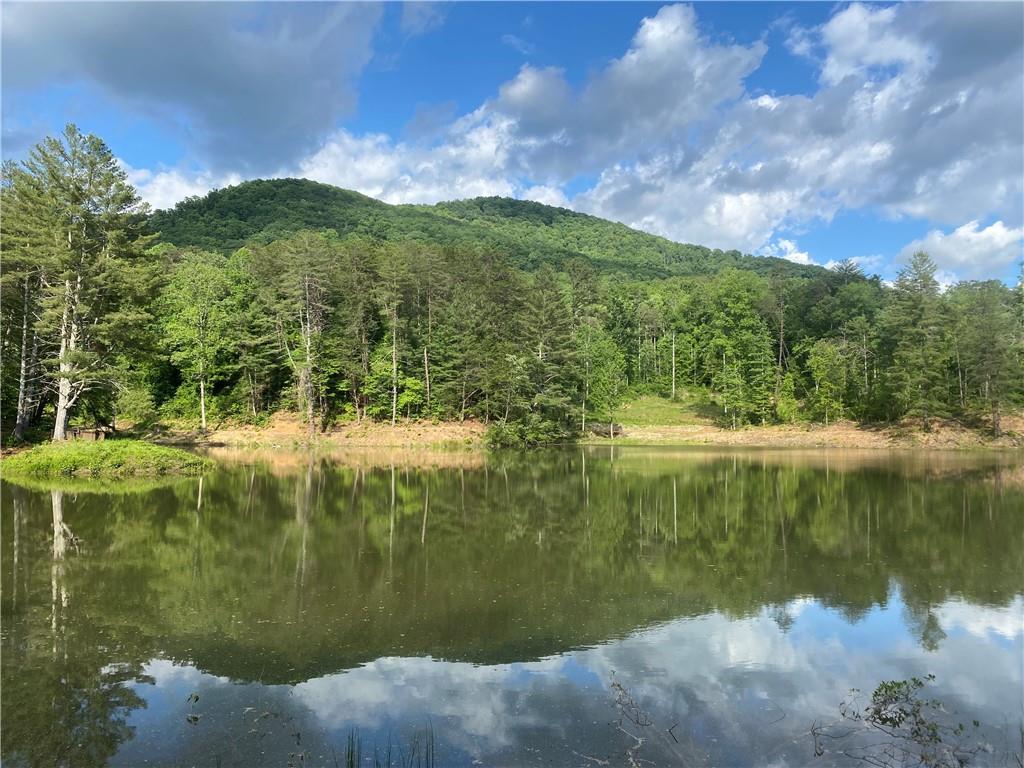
x=692, y=420
x=106, y=458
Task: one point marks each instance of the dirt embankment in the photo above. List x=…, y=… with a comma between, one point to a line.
x=285, y=430
x=844, y=434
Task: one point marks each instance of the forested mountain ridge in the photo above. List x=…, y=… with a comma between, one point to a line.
x=607, y=243
x=529, y=233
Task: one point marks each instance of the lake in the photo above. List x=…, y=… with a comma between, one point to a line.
x=586, y=606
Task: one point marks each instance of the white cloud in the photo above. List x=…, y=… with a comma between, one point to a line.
x=918, y=112
x=470, y=163
x=547, y=196
x=861, y=38
x=670, y=79
x=983, y=621
x=524, y=47
x=420, y=17
x=788, y=250
x=971, y=251
x=164, y=188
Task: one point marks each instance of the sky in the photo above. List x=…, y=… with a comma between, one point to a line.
x=811, y=131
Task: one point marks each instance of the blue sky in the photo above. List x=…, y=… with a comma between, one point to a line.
x=812, y=131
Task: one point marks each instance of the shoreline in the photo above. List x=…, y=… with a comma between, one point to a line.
x=285, y=430
x=847, y=435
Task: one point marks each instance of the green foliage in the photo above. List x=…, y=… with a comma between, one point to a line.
x=103, y=457
x=410, y=395
x=900, y=727
x=827, y=368
x=917, y=323
x=602, y=371
x=75, y=228
x=528, y=233
x=787, y=407
x=539, y=319
x=987, y=347
x=377, y=389
x=199, y=319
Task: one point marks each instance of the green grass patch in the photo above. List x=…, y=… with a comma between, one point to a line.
x=105, y=458
x=652, y=411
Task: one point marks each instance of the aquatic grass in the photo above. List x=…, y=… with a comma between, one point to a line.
x=106, y=458
x=421, y=751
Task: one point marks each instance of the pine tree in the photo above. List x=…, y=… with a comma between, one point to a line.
x=916, y=322
x=95, y=279
x=24, y=244
x=298, y=277
x=985, y=339
x=547, y=345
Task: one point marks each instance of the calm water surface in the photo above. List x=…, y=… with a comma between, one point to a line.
x=512, y=606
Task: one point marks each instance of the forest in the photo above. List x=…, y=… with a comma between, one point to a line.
x=538, y=321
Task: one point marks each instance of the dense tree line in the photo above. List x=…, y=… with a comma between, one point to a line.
x=105, y=318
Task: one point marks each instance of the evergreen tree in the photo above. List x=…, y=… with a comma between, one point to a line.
x=298, y=277
x=75, y=197
x=985, y=343
x=917, y=324
x=548, y=349
x=24, y=246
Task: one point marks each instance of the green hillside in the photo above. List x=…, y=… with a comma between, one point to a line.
x=529, y=233
x=539, y=227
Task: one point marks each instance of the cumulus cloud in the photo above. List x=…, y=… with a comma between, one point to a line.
x=546, y=195
x=471, y=162
x=923, y=125
x=788, y=250
x=671, y=78
x=971, y=251
x=917, y=112
x=249, y=85
x=164, y=188
x=862, y=39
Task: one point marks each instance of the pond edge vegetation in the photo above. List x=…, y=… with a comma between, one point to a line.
x=104, y=458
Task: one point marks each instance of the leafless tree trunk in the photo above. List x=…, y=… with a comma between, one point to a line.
x=426, y=375
x=21, y=423
x=673, y=365
x=394, y=366
x=67, y=391
x=202, y=397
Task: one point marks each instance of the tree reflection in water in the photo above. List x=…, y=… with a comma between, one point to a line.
x=288, y=580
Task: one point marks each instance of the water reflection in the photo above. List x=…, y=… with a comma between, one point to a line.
x=738, y=595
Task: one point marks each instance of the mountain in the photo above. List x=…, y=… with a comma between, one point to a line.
x=529, y=233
